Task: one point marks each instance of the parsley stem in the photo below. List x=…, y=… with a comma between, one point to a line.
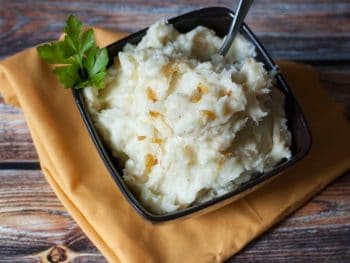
x=79, y=60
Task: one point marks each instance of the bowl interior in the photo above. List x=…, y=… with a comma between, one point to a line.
x=217, y=19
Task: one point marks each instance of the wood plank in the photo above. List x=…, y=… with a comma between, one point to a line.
x=33, y=222
x=16, y=144
x=318, y=232
x=34, y=226
x=15, y=141
x=303, y=30
x=336, y=79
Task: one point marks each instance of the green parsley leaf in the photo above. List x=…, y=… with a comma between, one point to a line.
x=55, y=53
x=81, y=63
x=73, y=30
x=98, y=79
x=88, y=40
x=68, y=75
x=95, y=61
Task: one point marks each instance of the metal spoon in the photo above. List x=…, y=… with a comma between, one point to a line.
x=241, y=12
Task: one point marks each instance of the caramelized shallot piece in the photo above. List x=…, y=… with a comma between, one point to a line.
x=150, y=161
x=156, y=140
x=154, y=114
x=151, y=95
x=209, y=114
x=197, y=96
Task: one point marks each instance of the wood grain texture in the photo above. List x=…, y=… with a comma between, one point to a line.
x=336, y=79
x=318, y=232
x=15, y=141
x=34, y=227
x=32, y=222
x=16, y=144
x=303, y=30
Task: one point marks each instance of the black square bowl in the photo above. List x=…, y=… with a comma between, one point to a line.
x=219, y=20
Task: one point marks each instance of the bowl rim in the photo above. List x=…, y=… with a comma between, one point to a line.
x=105, y=156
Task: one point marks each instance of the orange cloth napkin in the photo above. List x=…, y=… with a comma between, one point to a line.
x=75, y=171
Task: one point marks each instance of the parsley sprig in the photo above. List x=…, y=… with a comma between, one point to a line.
x=81, y=63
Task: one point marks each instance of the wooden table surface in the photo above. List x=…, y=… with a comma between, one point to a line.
x=33, y=224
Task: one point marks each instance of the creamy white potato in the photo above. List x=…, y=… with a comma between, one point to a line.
x=187, y=124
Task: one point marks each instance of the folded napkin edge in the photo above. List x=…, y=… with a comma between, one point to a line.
x=76, y=213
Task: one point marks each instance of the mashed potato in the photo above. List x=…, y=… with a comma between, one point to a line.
x=187, y=124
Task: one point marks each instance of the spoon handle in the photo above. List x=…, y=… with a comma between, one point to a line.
x=241, y=12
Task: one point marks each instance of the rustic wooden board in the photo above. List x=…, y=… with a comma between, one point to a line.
x=336, y=79
x=15, y=141
x=318, y=232
x=32, y=222
x=303, y=30
x=16, y=144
